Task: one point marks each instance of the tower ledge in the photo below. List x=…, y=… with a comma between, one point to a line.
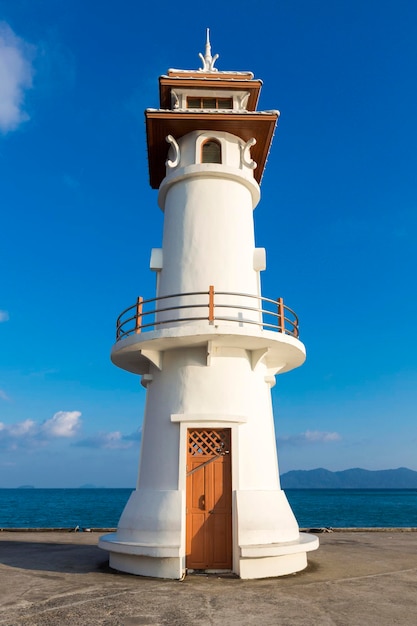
x=280, y=352
x=210, y=170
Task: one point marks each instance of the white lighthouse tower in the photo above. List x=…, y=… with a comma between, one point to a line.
x=208, y=347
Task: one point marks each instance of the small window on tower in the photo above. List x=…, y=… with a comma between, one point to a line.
x=225, y=103
x=211, y=152
x=209, y=103
x=193, y=103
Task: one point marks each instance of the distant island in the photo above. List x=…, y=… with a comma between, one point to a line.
x=401, y=478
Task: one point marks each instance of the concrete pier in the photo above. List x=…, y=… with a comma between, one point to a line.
x=356, y=578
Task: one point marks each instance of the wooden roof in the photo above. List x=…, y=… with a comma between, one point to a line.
x=160, y=123
x=198, y=81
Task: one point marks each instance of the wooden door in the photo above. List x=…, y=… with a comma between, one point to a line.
x=209, y=499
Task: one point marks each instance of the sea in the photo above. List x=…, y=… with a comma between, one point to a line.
x=313, y=508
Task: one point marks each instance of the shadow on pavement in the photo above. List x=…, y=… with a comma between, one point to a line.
x=54, y=557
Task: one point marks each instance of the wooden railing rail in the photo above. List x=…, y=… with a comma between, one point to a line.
x=146, y=314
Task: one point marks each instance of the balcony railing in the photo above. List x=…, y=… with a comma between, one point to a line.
x=210, y=306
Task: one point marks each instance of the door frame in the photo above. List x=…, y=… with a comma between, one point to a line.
x=186, y=421
x=209, y=487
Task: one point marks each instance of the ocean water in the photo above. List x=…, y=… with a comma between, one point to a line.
x=313, y=508
x=354, y=508
x=61, y=508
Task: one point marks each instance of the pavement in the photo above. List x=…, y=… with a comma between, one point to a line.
x=354, y=578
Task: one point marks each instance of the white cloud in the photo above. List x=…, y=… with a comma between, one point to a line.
x=27, y=428
x=113, y=440
x=29, y=433
x=310, y=437
x=15, y=77
x=4, y=316
x=62, y=424
x=317, y=435
x=110, y=441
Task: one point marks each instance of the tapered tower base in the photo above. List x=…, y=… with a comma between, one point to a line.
x=255, y=561
x=150, y=537
x=127, y=557
x=280, y=559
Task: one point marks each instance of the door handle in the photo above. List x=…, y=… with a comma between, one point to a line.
x=202, y=503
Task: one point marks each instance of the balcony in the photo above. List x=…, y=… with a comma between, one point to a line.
x=209, y=307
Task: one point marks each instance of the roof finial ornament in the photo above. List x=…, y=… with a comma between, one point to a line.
x=207, y=59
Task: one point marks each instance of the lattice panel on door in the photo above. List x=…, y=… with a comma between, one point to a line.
x=208, y=442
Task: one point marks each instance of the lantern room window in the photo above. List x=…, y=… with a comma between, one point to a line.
x=211, y=151
x=209, y=103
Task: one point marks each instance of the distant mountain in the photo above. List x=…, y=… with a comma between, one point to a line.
x=26, y=487
x=401, y=478
x=88, y=486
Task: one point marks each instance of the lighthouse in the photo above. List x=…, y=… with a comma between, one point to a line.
x=207, y=347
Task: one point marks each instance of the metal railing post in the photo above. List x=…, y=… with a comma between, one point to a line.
x=138, y=326
x=281, y=315
x=211, y=305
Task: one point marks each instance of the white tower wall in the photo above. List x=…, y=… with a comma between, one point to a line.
x=208, y=226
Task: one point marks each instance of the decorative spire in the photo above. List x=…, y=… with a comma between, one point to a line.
x=207, y=59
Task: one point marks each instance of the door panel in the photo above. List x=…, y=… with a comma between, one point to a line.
x=209, y=499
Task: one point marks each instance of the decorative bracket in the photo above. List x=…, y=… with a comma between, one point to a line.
x=243, y=101
x=171, y=163
x=175, y=102
x=246, y=157
x=154, y=356
x=257, y=356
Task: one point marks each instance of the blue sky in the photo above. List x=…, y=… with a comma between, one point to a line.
x=338, y=217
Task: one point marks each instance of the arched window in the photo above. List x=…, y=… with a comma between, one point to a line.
x=211, y=151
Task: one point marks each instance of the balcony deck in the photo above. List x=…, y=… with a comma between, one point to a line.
x=266, y=327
